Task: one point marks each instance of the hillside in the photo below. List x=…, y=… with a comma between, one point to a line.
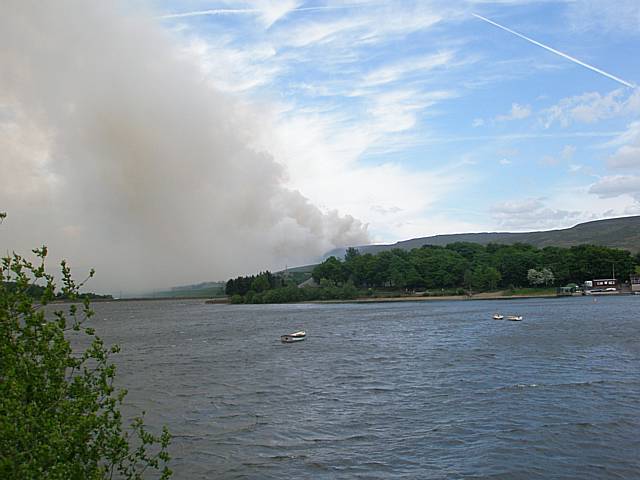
x=621, y=233
x=200, y=290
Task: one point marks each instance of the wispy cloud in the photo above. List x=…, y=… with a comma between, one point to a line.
x=397, y=110
x=372, y=25
x=617, y=185
x=627, y=156
x=519, y=136
x=310, y=33
x=269, y=11
x=233, y=69
x=592, y=107
x=517, y=112
x=565, y=156
x=275, y=10
x=568, y=151
x=400, y=70
x=617, y=18
x=531, y=214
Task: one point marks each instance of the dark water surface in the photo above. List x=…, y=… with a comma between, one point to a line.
x=429, y=390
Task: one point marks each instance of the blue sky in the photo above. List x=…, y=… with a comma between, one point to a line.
x=419, y=118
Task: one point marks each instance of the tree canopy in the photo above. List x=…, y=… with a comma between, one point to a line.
x=477, y=267
x=456, y=268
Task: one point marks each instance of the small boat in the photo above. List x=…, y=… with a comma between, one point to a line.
x=294, y=337
x=515, y=318
x=497, y=316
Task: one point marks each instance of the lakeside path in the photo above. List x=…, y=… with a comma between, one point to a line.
x=479, y=296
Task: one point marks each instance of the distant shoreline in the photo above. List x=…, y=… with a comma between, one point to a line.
x=132, y=299
x=395, y=299
x=479, y=296
x=390, y=299
x=431, y=299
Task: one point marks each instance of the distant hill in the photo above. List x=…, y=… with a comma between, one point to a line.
x=621, y=233
x=200, y=290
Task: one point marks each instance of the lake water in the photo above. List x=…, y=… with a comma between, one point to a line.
x=430, y=390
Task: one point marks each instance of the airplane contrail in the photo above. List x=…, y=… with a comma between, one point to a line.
x=217, y=11
x=232, y=11
x=557, y=52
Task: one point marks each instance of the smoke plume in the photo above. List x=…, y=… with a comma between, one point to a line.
x=116, y=153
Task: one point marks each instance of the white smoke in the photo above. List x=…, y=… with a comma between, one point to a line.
x=116, y=153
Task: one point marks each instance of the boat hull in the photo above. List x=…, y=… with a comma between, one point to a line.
x=292, y=339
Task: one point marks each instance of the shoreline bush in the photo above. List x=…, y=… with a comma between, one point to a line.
x=59, y=407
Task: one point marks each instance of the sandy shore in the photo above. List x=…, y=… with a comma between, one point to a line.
x=479, y=296
x=416, y=298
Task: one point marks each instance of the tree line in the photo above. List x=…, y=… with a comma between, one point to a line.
x=266, y=287
x=36, y=291
x=477, y=267
x=259, y=283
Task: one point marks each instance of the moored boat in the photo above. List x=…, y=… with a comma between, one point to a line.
x=294, y=337
x=497, y=316
x=515, y=318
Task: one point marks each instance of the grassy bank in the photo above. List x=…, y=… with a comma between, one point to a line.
x=391, y=296
x=530, y=292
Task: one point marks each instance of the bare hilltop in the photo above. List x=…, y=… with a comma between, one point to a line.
x=621, y=233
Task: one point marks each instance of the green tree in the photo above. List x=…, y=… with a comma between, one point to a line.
x=491, y=278
x=260, y=283
x=483, y=277
x=349, y=266
x=558, y=260
x=468, y=280
x=514, y=262
x=351, y=254
x=360, y=268
x=593, y=261
x=439, y=267
x=468, y=250
x=402, y=273
x=59, y=409
x=330, y=269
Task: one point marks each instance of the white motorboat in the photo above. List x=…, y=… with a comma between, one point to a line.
x=294, y=337
x=515, y=318
x=497, y=316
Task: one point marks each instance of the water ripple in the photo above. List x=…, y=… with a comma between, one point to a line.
x=431, y=390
